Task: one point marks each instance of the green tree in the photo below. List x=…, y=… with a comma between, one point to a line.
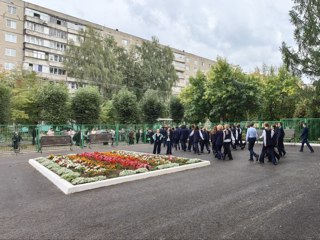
x=24, y=108
x=126, y=106
x=231, y=94
x=107, y=114
x=85, y=105
x=94, y=60
x=197, y=108
x=176, y=109
x=157, y=70
x=152, y=106
x=130, y=68
x=308, y=104
x=53, y=103
x=305, y=59
x=5, y=97
x=280, y=94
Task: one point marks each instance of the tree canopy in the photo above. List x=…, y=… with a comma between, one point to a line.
x=5, y=97
x=85, y=105
x=151, y=106
x=94, y=60
x=305, y=57
x=126, y=106
x=53, y=103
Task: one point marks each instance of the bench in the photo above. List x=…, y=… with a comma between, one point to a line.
x=289, y=135
x=99, y=138
x=49, y=141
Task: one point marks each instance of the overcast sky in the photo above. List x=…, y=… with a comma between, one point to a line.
x=245, y=32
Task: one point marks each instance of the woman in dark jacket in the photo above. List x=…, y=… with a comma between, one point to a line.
x=213, y=136
x=169, y=141
x=219, y=141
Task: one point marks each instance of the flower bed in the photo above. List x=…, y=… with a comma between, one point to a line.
x=92, y=167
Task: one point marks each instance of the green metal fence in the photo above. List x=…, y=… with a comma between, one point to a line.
x=124, y=134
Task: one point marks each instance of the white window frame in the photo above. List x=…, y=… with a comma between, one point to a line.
x=9, y=66
x=10, y=52
x=11, y=24
x=9, y=37
x=12, y=10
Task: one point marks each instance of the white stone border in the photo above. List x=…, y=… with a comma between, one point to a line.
x=67, y=188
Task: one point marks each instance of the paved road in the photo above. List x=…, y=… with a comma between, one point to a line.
x=228, y=200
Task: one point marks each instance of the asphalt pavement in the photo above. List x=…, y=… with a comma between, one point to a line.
x=235, y=199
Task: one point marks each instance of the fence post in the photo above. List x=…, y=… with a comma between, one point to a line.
x=38, y=139
x=117, y=134
x=81, y=138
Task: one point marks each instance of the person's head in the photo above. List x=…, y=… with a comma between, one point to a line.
x=219, y=127
x=226, y=126
x=251, y=125
x=266, y=125
x=304, y=125
x=158, y=130
x=196, y=128
x=279, y=124
x=274, y=126
x=214, y=130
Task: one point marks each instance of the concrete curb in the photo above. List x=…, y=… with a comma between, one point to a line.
x=67, y=188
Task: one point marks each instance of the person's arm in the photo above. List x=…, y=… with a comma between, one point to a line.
x=262, y=135
x=191, y=134
x=201, y=135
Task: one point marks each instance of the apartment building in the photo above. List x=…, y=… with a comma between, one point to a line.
x=35, y=38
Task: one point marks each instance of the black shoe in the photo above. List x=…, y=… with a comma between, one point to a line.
x=230, y=159
x=257, y=157
x=209, y=151
x=312, y=151
x=275, y=163
x=284, y=153
x=250, y=160
x=300, y=151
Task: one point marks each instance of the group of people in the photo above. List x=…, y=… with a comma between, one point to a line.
x=224, y=138
x=199, y=139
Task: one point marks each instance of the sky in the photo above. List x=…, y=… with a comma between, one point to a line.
x=247, y=33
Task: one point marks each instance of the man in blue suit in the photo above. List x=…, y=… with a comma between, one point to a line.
x=304, y=138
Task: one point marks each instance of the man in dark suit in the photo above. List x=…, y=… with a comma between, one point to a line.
x=280, y=137
x=184, y=133
x=304, y=138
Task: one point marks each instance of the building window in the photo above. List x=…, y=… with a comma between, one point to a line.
x=56, y=58
x=11, y=38
x=37, y=15
x=12, y=10
x=35, y=27
x=40, y=55
x=11, y=24
x=39, y=68
x=72, y=85
x=57, y=71
x=57, y=33
x=34, y=40
x=9, y=66
x=11, y=52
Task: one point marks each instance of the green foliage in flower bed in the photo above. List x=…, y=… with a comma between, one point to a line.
x=92, y=167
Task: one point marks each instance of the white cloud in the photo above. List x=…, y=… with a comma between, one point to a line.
x=247, y=32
